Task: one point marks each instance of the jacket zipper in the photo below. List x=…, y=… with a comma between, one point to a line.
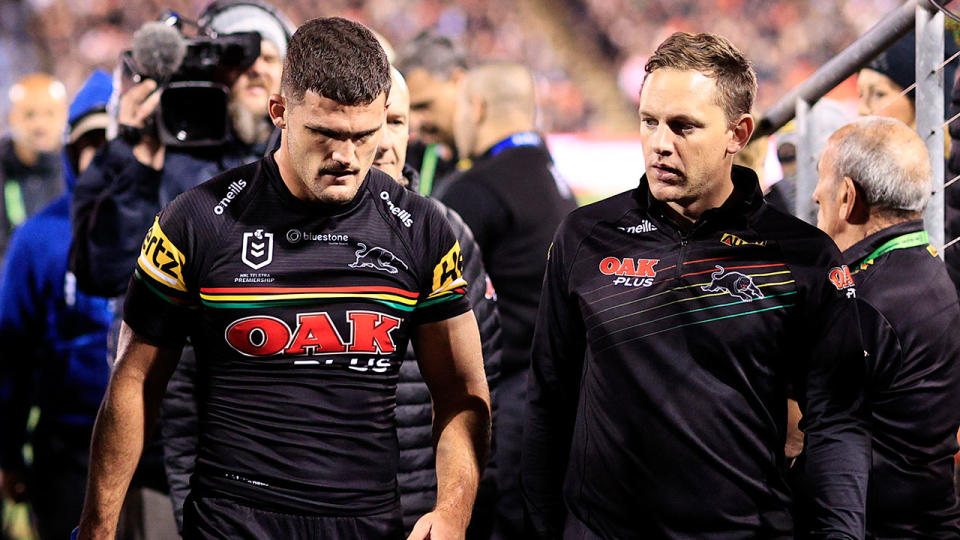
x=683, y=248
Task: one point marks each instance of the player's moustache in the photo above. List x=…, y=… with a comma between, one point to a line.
x=334, y=169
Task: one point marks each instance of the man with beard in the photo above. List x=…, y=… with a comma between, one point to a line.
x=433, y=66
x=126, y=185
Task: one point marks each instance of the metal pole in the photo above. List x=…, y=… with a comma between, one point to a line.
x=930, y=113
x=806, y=163
x=895, y=25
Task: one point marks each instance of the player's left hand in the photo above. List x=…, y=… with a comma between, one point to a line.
x=439, y=525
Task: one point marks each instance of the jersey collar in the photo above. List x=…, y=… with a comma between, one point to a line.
x=269, y=167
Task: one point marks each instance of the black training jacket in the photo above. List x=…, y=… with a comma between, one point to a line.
x=513, y=202
x=661, y=362
x=910, y=317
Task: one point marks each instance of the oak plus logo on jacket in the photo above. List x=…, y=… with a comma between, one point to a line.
x=841, y=278
x=257, y=249
x=630, y=272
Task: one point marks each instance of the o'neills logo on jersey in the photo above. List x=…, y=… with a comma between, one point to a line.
x=315, y=334
x=233, y=190
x=630, y=272
x=404, y=216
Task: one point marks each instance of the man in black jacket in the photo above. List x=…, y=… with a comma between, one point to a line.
x=512, y=199
x=673, y=318
x=416, y=477
x=874, y=184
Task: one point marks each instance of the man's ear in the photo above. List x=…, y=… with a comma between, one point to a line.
x=851, y=202
x=742, y=130
x=478, y=110
x=278, y=110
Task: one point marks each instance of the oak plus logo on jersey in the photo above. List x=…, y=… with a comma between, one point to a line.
x=257, y=249
x=233, y=190
x=405, y=217
x=630, y=272
x=370, y=334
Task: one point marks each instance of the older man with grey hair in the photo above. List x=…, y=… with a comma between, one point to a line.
x=874, y=184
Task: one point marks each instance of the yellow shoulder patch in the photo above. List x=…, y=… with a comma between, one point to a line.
x=448, y=273
x=161, y=260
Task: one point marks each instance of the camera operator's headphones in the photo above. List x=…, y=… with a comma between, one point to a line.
x=219, y=6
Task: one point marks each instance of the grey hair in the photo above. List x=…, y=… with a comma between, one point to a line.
x=435, y=53
x=891, y=177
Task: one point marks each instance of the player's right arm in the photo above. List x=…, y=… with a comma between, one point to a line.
x=127, y=415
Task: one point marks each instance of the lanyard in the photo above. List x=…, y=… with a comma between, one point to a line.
x=524, y=138
x=904, y=241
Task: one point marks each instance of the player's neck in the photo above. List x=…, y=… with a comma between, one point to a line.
x=686, y=213
x=492, y=133
x=289, y=175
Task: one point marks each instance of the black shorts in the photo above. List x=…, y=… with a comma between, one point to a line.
x=210, y=517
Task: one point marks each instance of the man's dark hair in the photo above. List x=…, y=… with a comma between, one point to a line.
x=715, y=57
x=437, y=54
x=338, y=59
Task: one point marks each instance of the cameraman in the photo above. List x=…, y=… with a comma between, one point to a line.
x=118, y=196
x=126, y=185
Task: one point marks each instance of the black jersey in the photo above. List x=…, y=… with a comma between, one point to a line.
x=910, y=317
x=661, y=364
x=300, y=314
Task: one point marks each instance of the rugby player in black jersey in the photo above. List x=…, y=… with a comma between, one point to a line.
x=299, y=279
x=673, y=319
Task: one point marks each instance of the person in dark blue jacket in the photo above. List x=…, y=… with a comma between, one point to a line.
x=55, y=338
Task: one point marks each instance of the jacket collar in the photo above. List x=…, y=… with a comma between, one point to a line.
x=859, y=251
x=745, y=200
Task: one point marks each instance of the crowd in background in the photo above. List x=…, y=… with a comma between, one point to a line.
x=785, y=39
